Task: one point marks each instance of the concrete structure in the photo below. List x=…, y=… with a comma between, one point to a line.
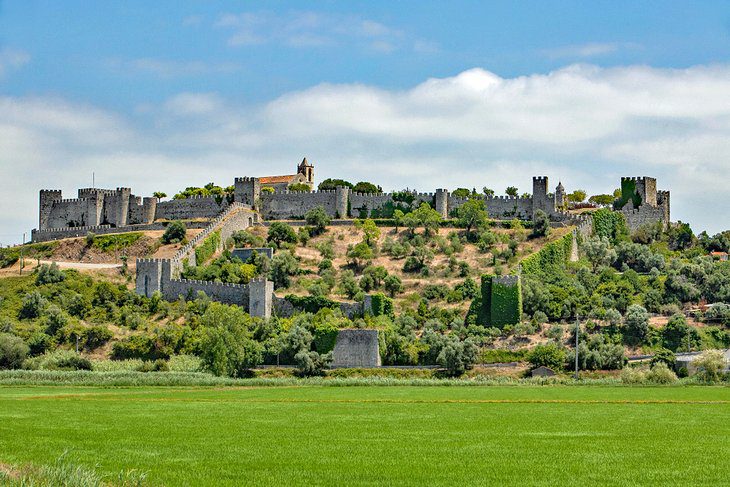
x=542, y=371
x=686, y=361
x=356, y=348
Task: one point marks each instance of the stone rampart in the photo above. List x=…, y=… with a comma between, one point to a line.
x=356, y=348
x=227, y=293
x=189, y=208
x=295, y=204
x=245, y=254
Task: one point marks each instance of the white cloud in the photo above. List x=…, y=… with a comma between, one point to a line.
x=584, y=125
x=11, y=59
x=313, y=29
x=589, y=50
x=165, y=68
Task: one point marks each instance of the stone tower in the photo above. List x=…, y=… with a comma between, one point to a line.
x=307, y=170
x=260, y=296
x=540, y=200
x=442, y=202
x=559, y=195
x=342, y=193
x=47, y=197
x=247, y=191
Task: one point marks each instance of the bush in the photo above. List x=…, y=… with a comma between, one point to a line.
x=664, y=356
x=174, y=233
x=49, y=274
x=632, y=376
x=283, y=266
x=540, y=225
x=58, y=360
x=13, y=351
x=280, y=233
x=185, y=363
x=549, y=355
x=637, y=324
x=244, y=238
x=310, y=364
x=661, y=374
x=709, y=365
x=33, y=305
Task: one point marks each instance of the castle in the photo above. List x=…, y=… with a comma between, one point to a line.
x=117, y=210
x=269, y=198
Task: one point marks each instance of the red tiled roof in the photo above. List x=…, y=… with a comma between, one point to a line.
x=277, y=179
x=718, y=254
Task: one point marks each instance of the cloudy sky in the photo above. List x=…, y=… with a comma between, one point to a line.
x=164, y=95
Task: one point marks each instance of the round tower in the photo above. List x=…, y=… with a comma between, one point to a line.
x=559, y=195
x=442, y=202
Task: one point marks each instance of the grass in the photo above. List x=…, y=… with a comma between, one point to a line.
x=376, y=435
x=116, y=242
x=11, y=255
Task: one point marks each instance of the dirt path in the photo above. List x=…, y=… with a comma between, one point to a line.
x=82, y=265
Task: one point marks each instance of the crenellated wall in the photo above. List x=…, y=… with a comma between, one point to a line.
x=189, y=208
x=295, y=204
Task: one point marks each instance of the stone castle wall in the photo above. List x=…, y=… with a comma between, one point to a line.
x=295, y=204
x=356, y=348
x=189, y=208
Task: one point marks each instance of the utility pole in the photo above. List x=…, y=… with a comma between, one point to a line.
x=22, y=261
x=577, y=334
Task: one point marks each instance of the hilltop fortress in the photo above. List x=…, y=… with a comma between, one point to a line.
x=118, y=210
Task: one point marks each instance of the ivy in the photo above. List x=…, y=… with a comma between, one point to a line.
x=205, y=250
x=610, y=224
x=628, y=192
x=311, y=304
x=498, y=305
x=550, y=258
x=381, y=305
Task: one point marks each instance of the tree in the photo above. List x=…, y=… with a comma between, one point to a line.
x=13, y=351
x=637, y=324
x=398, y=219
x=462, y=193
x=348, y=285
x=49, y=274
x=229, y=351
x=159, y=195
x=174, y=233
x=541, y=224
x=331, y=184
x=472, y=214
x=457, y=356
x=318, y=219
x=280, y=232
x=371, y=232
x=428, y=218
x=283, y=266
x=680, y=236
x=664, y=356
x=488, y=192
x=598, y=251
x=311, y=364
x=549, y=355
x=300, y=187
x=366, y=187
x=577, y=196
x=601, y=199
x=393, y=285
x=32, y=305
x=411, y=222
x=677, y=334
x=511, y=191
x=359, y=254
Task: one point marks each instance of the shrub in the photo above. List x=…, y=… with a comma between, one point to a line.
x=229, y=351
x=549, y=355
x=59, y=360
x=55, y=319
x=49, y=274
x=185, y=363
x=207, y=248
x=630, y=375
x=393, y=285
x=39, y=343
x=310, y=364
x=96, y=336
x=33, y=305
x=661, y=374
x=13, y=351
x=709, y=365
x=283, y=266
x=244, y=238
x=174, y=233
x=664, y=356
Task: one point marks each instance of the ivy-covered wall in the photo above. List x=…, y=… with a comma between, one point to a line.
x=610, y=224
x=500, y=302
x=551, y=256
x=205, y=250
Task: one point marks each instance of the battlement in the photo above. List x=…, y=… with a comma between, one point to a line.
x=506, y=280
x=50, y=191
x=73, y=229
x=287, y=191
x=211, y=283
x=636, y=178
x=246, y=179
x=536, y=179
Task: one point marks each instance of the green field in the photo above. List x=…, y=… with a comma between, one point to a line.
x=523, y=435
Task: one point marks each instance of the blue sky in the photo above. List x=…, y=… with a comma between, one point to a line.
x=161, y=95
